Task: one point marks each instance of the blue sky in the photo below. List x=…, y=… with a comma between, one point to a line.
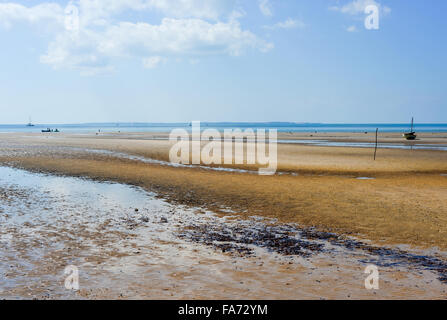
x=222, y=60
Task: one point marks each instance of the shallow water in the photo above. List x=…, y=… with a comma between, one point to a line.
x=164, y=251
x=327, y=143
x=42, y=215
x=159, y=162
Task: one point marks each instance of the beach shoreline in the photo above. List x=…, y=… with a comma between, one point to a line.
x=321, y=188
x=397, y=201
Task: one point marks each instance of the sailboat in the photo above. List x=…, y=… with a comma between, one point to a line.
x=410, y=135
x=30, y=124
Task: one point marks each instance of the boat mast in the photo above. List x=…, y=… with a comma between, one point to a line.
x=412, y=120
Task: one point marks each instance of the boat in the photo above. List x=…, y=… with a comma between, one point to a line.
x=50, y=130
x=30, y=124
x=412, y=134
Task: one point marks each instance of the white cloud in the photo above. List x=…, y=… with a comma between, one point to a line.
x=153, y=62
x=265, y=7
x=351, y=29
x=13, y=12
x=386, y=10
x=211, y=9
x=77, y=52
x=97, y=10
x=357, y=7
x=191, y=28
x=287, y=24
x=179, y=36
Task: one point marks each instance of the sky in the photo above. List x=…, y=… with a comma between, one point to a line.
x=223, y=60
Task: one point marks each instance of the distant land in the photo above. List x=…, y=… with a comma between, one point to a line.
x=223, y=124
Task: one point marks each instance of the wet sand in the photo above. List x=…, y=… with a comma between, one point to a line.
x=164, y=251
x=405, y=204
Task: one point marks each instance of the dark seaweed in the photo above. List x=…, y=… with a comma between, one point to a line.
x=304, y=242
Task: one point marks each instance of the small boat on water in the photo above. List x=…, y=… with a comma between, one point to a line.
x=30, y=123
x=412, y=134
x=50, y=130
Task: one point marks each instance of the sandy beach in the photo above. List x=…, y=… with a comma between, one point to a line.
x=397, y=202
x=223, y=150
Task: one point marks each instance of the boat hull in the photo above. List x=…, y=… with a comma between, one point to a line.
x=410, y=136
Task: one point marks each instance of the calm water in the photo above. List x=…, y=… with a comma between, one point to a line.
x=281, y=126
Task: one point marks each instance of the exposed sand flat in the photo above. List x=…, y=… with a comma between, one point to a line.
x=291, y=157
x=406, y=203
x=165, y=251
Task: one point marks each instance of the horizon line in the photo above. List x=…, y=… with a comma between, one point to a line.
x=223, y=122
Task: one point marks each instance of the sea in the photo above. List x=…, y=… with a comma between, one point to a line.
x=280, y=126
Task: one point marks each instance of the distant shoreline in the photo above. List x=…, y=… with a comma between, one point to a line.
x=233, y=123
x=280, y=126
